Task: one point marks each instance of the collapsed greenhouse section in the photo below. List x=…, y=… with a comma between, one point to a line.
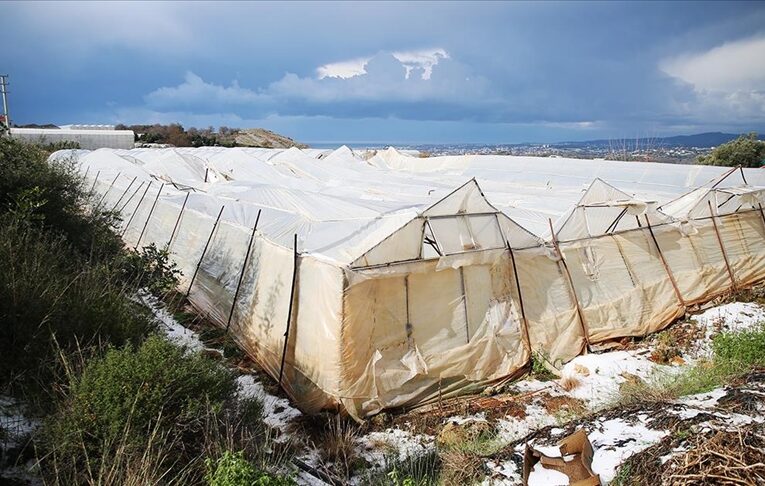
x=367, y=281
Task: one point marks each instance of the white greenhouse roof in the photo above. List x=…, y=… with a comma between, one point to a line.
x=342, y=203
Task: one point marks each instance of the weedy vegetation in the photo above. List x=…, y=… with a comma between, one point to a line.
x=734, y=353
x=118, y=403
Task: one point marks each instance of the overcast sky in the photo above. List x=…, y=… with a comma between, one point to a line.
x=393, y=72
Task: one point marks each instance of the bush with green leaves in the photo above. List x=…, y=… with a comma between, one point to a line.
x=740, y=350
x=746, y=151
x=52, y=300
x=131, y=393
x=52, y=195
x=150, y=268
x=66, y=281
x=734, y=353
x=232, y=469
x=157, y=381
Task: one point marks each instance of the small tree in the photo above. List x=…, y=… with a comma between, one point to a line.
x=746, y=151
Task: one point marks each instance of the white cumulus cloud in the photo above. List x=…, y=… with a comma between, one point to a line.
x=423, y=59
x=386, y=84
x=343, y=69
x=732, y=66
x=728, y=81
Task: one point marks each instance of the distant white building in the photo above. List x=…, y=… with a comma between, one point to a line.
x=89, y=137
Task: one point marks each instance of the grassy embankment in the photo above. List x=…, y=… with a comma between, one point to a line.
x=116, y=402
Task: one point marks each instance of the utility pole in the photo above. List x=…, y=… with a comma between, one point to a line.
x=4, y=89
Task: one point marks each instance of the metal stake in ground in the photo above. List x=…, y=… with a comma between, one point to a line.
x=151, y=211
x=204, y=250
x=520, y=296
x=665, y=263
x=177, y=221
x=108, y=190
x=722, y=247
x=127, y=201
x=123, y=193
x=574, y=297
x=241, y=275
x=94, y=183
x=135, y=211
x=289, y=311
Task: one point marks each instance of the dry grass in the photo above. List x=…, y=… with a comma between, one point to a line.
x=727, y=457
x=569, y=383
x=337, y=446
x=719, y=457
x=461, y=467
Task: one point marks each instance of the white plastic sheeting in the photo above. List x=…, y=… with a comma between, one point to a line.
x=421, y=278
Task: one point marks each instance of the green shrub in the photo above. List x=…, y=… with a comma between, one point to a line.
x=52, y=195
x=125, y=396
x=539, y=369
x=157, y=381
x=232, y=469
x=746, y=151
x=734, y=353
x=150, y=268
x=741, y=349
x=64, y=274
x=47, y=291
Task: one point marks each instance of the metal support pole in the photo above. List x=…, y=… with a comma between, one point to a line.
x=123, y=193
x=722, y=247
x=94, y=182
x=665, y=263
x=520, y=296
x=124, y=230
x=241, y=275
x=108, y=190
x=579, y=311
x=122, y=208
x=204, y=250
x=761, y=213
x=289, y=311
x=151, y=211
x=465, y=304
x=178, y=221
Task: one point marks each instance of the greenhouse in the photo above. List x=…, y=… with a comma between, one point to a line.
x=374, y=280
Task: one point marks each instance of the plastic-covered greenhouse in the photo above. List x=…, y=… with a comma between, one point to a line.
x=366, y=283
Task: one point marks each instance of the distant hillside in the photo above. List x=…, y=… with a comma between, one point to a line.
x=702, y=140
x=260, y=137
x=176, y=135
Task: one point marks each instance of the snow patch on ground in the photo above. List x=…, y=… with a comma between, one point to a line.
x=378, y=447
x=503, y=474
x=14, y=423
x=600, y=375
x=277, y=412
x=703, y=400
x=460, y=420
x=615, y=440
x=541, y=476
x=175, y=332
x=510, y=429
x=732, y=317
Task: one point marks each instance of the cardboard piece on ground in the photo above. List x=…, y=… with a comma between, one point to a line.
x=575, y=460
